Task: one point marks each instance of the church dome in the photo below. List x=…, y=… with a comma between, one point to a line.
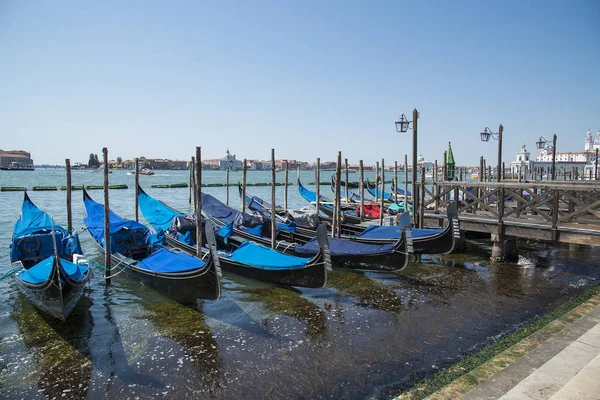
x=420, y=159
x=597, y=139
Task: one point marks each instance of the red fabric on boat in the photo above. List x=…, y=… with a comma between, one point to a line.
x=371, y=210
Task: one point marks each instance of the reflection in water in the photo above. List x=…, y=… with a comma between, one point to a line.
x=288, y=302
x=58, y=349
x=188, y=328
x=365, y=290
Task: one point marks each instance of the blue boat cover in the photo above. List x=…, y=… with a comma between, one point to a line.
x=393, y=232
x=217, y=209
x=165, y=261
x=312, y=196
x=157, y=213
x=254, y=224
x=95, y=224
x=33, y=234
x=386, y=195
x=266, y=258
x=40, y=272
x=344, y=247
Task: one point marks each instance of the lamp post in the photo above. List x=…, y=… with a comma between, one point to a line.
x=402, y=126
x=485, y=137
x=542, y=143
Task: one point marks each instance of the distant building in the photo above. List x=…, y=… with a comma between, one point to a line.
x=229, y=161
x=20, y=156
x=567, y=160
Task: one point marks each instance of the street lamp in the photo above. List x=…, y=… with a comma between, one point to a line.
x=485, y=137
x=542, y=143
x=402, y=126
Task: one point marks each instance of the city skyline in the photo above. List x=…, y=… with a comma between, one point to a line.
x=306, y=79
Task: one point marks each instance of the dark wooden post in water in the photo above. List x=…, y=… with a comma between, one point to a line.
x=422, y=198
x=227, y=185
x=191, y=182
x=273, y=215
x=395, y=181
x=435, y=187
x=415, y=193
x=69, y=212
x=377, y=182
x=317, y=185
x=193, y=178
x=107, y=251
x=198, y=198
x=503, y=171
x=406, y=202
x=382, y=192
x=338, y=200
x=137, y=185
x=554, y=157
x=346, y=166
x=244, y=171
x=285, y=190
x=361, y=188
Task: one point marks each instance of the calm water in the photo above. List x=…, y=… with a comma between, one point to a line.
x=364, y=333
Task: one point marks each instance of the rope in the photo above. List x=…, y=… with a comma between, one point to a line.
x=10, y=272
x=103, y=268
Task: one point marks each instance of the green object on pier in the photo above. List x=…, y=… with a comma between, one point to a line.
x=41, y=188
x=450, y=164
x=12, y=189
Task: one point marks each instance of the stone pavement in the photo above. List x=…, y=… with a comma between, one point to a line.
x=566, y=366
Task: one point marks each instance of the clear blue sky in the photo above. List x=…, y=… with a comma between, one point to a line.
x=307, y=78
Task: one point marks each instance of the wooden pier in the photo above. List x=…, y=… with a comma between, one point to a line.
x=560, y=211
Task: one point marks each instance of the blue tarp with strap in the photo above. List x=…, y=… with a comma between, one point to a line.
x=164, y=261
x=95, y=223
x=33, y=234
x=265, y=258
x=157, y=213
x=344, y=247
x=40, y=272
x=394, y=232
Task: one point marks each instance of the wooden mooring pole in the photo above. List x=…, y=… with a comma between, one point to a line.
x=285, y=190
x=136, y=191
x=346, y=166
x=317, y=185
x=107, y=250
x=69, y=211
x=338, y=200
x=227, y=185
x=382, y=192
x=406, y=202
x=244, y=171
x=377, y=182
x=273, y=215
x=361, y=188
x=198, y=198
x=395, y=181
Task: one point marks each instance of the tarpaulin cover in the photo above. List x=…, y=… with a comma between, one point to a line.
x=33, y=234
x=344, y=247
x=40, y=272
x=226, y=231
x=312, y=197
x=217, y=209
x=266, y=258
x=393, y=232
x=186, y=238
x=95, y=222
x=371, y=210
x=164, y=261
x=157, y=213
x=33, y=220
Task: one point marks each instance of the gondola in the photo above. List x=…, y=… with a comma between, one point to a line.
x=344, y=253
x=134, y=249
x=348, y=212
x=425, y=240
x=351, y=185
x=243, y=258
x=41, y=251
x=375, y=192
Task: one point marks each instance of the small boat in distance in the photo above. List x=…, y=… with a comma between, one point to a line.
x=143, y=171
x=17, y=166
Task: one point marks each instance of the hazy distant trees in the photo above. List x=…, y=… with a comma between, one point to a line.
x=119, y=161
x=93, y=161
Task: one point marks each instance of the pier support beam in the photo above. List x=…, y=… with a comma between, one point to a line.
x=504, y=249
